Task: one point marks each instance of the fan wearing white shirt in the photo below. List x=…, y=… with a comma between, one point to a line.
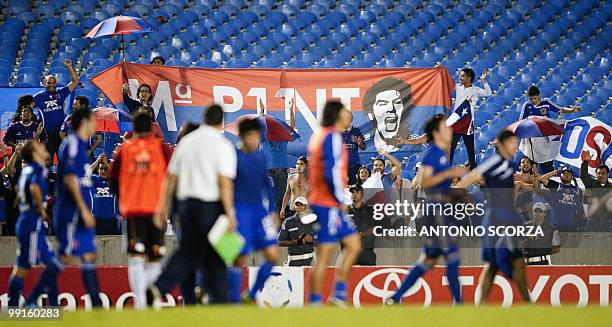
x=462, y=118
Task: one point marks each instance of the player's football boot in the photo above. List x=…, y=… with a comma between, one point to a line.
x=340, y=303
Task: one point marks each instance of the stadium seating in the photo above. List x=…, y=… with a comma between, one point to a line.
x=561, y=46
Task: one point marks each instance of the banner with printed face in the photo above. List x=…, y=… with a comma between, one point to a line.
x=586, y=134
x=386, y=103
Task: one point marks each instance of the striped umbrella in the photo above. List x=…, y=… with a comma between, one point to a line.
x=273, y=129
x=120, y=25
x=534, y=126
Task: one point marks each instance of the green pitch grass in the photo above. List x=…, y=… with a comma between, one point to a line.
x=330, y=316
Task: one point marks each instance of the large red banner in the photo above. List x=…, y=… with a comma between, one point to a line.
x=551, y=285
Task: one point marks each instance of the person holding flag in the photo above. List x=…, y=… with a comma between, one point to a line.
x=462, y=118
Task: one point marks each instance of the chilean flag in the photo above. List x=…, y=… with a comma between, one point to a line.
x=461, y=119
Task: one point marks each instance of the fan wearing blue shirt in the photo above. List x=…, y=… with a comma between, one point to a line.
x=50, y=104
x=435, y=176
x=31, y=230
x=104, y=199
x=565, y=199
x=74, y=222
x=353, y=141
x=24, y=130
x=536, y=106
x=255, y=209
x=501, y=253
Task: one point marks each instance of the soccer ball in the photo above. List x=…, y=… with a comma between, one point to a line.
x=276, y=292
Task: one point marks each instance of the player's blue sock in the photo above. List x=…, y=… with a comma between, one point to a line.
x=264, y=272
x=452, y=274
x=46, y=283
x=414, y=274
x=340, y=291
x=315, y=299
x=235, y=283
x=90, y=280
x=14, y=290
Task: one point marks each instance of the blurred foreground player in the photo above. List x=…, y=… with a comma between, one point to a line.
x=32, y=228
x=328, y=166
x=254, y=198
x=200, y=175
x=435, y=176
x=501, y=253
x=74, y=222
x=137, y=174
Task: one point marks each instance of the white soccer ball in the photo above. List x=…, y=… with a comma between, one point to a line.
x=276, y=292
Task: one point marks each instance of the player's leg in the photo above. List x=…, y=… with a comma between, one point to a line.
x=519, y=278
x=350, y=252
x=47, y=283
x=15, y=285
x=154, y=245
x=423, y=265
x=317, y=273
x=136, y=263
x=27, y=240
x=86, y=250
x=485, y=283
x=244, y=215
x=265, y=237
x=452, y=273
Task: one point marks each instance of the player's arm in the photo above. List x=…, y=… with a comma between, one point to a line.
x=556, y=242
x=226, y=173
x=557, y=108
x=286, y=198
x=474, y=176
x=261, y=108
x=524, y=112
x=72, y=183
x=74, y=78
x=429, y=180
x=396, y=168
x=546, y=177
x=415, y=141
x=36, y=193
x=587, y=180
x=292, y=114
x=332, y=152
x=226, y=189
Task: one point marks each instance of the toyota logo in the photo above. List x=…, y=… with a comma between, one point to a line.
x=393, y=276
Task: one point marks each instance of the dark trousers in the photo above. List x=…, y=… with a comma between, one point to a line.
x=53, y=143
x=194, y=251
x=279, y=178
x=468, y=140
x=352, y=174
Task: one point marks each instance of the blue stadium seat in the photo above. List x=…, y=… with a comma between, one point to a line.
x=297, y=64
x=207, y=64
x=268, y=63
x=238, y=63
x=28, y=80
x=177, y=63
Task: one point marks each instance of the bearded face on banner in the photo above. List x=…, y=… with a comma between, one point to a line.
x=388, y=104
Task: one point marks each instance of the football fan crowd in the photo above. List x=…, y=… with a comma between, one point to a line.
x=57, y=180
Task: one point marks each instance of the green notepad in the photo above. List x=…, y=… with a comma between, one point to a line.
x=227, y=244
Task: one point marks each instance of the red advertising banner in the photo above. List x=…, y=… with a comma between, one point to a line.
x=551, y=285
